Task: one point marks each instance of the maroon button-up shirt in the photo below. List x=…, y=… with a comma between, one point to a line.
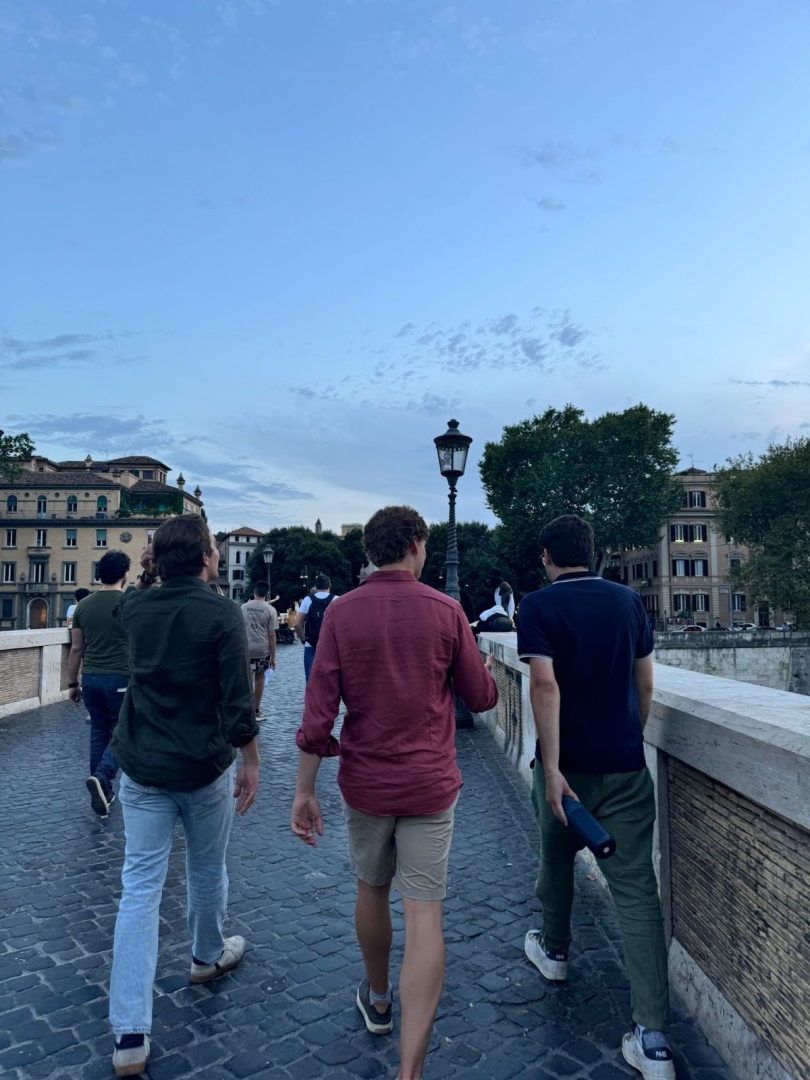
x=396, y=652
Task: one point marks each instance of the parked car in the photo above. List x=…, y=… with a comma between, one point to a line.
x=747, y=626
x=690, y=630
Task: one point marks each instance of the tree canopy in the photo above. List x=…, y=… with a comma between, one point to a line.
x=765, y=506
x=299, y=556
x=615, y=470
x=479, y=549
x=14, y=450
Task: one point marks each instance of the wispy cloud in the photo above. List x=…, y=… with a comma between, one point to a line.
x=771, y=384
x=21, y=144
x=549, y=204
x=62, y=350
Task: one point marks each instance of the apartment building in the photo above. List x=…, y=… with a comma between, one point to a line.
x=234, y=552
x=684, y=578
x=58, y=519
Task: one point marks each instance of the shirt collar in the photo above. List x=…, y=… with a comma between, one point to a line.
x=183, y=580
x=390, y=575
x=576, y=575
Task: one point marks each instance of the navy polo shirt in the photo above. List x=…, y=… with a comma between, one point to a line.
x=593, y=631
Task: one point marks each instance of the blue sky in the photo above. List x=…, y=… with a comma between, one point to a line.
x=278, y=243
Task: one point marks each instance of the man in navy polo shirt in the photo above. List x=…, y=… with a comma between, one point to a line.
x=589, y=645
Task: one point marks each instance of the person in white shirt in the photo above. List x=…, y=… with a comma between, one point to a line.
x=78, y=595
x=503, y=591
x=310, y=616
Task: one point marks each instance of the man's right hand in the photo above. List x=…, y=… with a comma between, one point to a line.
x=148, y=563
x=556, y=787
x=75, y=695
x=306, y=819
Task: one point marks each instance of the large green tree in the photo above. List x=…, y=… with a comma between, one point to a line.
x=764, y=505
x=14, y=450
x=298, y=556
x=615, y=470
x=479, y=549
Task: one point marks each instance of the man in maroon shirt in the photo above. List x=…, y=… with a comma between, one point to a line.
x=397, y=652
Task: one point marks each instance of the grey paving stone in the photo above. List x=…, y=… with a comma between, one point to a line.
x=287, y=1013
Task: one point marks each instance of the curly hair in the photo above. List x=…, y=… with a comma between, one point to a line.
x=112, y=567
x=390, y=532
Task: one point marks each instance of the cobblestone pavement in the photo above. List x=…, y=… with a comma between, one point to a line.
x=288, y=1010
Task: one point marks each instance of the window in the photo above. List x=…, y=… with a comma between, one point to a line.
x=72, y=504
x=11, y=537
x=70, y=538
x=701, y=602
x=735, y=562
x=697, y=499
x=42, y=537
x=681, y=602
x=700, y=567
x=640, y=572
x=238, y=575
x=678, y=533
x=40, y=572
x=136, y=472
x=680, y=568
x=9, y=573
x=101, y=537
x=69, y=573
x=655, y=568
x=738, y=602
x=101, y=504
x=238, y=593
x=650, y=604
x=96, y=578
x=11, y=504
x=7, y=611
x=625, y=574
x=238, y=556
x=42, y=505
x=700, y=534
x=149, y=474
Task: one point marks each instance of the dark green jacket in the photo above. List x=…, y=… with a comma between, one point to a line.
x=190, y=697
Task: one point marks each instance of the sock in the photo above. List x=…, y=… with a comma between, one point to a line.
x=129, y=1042
x=381, y=999
x=651, y=1040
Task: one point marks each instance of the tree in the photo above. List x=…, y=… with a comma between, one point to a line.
x=14, y=450
x=299, y=555
x=616, y=471
x=765, y=506
x=478, y=551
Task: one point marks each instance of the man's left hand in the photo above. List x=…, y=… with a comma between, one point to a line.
x=247, y=786
x=75, y=695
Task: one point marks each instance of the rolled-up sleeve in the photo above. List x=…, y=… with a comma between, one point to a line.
x=471, y=680
x=322, y=700
x=234, y=683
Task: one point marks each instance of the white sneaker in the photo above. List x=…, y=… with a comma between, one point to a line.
x=552, y=965
x=131, y=1062
x=231, y=955
x=653, y=1064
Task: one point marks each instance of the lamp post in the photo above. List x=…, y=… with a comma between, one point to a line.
x=452, y=448
x=267, y=555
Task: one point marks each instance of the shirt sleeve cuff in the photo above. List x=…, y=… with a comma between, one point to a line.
x=536, y=656
x=646, y=654
x=330, y=748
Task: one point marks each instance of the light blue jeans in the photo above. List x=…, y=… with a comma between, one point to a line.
x=150, y=815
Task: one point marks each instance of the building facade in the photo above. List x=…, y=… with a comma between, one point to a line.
x=234, y=552
x=59, y=518
x=685, y=578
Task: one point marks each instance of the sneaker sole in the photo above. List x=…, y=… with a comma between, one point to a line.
x=374, y=1029
x=650, y=1070
x=133, y=1068
x=552, y=970
x=99, y=803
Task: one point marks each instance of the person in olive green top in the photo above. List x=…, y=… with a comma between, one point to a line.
x=100, y=647
x=188, y=707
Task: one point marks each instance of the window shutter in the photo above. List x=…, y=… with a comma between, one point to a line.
x=672, y=534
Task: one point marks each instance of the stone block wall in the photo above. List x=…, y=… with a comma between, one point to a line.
x=19, y=675
x=33, y=669
x=780, y=661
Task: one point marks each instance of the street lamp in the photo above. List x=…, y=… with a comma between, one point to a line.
x=452, y=448
x=267, y=555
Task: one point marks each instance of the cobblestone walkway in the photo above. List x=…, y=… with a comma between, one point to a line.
x=288, y=1010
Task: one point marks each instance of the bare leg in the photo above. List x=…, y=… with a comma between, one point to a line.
x=258, y=690
x=372, y=918
x=421, y=981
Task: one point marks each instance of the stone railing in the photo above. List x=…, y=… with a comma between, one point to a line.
x=778, y=659
x=33, y=669
x=731, y=764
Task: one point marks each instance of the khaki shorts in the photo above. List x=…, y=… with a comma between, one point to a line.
x=411, y=852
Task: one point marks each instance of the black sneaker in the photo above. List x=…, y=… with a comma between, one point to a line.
x=654, y=1062
x=98, y=796
x=378, y=1023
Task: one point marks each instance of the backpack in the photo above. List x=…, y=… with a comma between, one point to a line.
x=317, y=610
x=496, y=624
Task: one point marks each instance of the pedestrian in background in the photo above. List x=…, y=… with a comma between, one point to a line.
x=77, y=596
x=261, y=624
x=397, y=652
x=310, y=617
x=99, y=647
x=589, y=645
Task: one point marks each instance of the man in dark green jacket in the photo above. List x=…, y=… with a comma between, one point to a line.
x=188, y=707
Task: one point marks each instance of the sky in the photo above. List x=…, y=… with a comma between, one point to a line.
x=279, y=243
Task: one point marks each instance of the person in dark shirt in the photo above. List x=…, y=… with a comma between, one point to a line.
x=188, y=707
x=100, y=648
x=589, y=645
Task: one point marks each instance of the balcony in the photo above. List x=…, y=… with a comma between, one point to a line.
x=39, y=549
x=39, y=586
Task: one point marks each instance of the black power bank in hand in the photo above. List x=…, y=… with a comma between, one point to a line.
x=587, y=829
